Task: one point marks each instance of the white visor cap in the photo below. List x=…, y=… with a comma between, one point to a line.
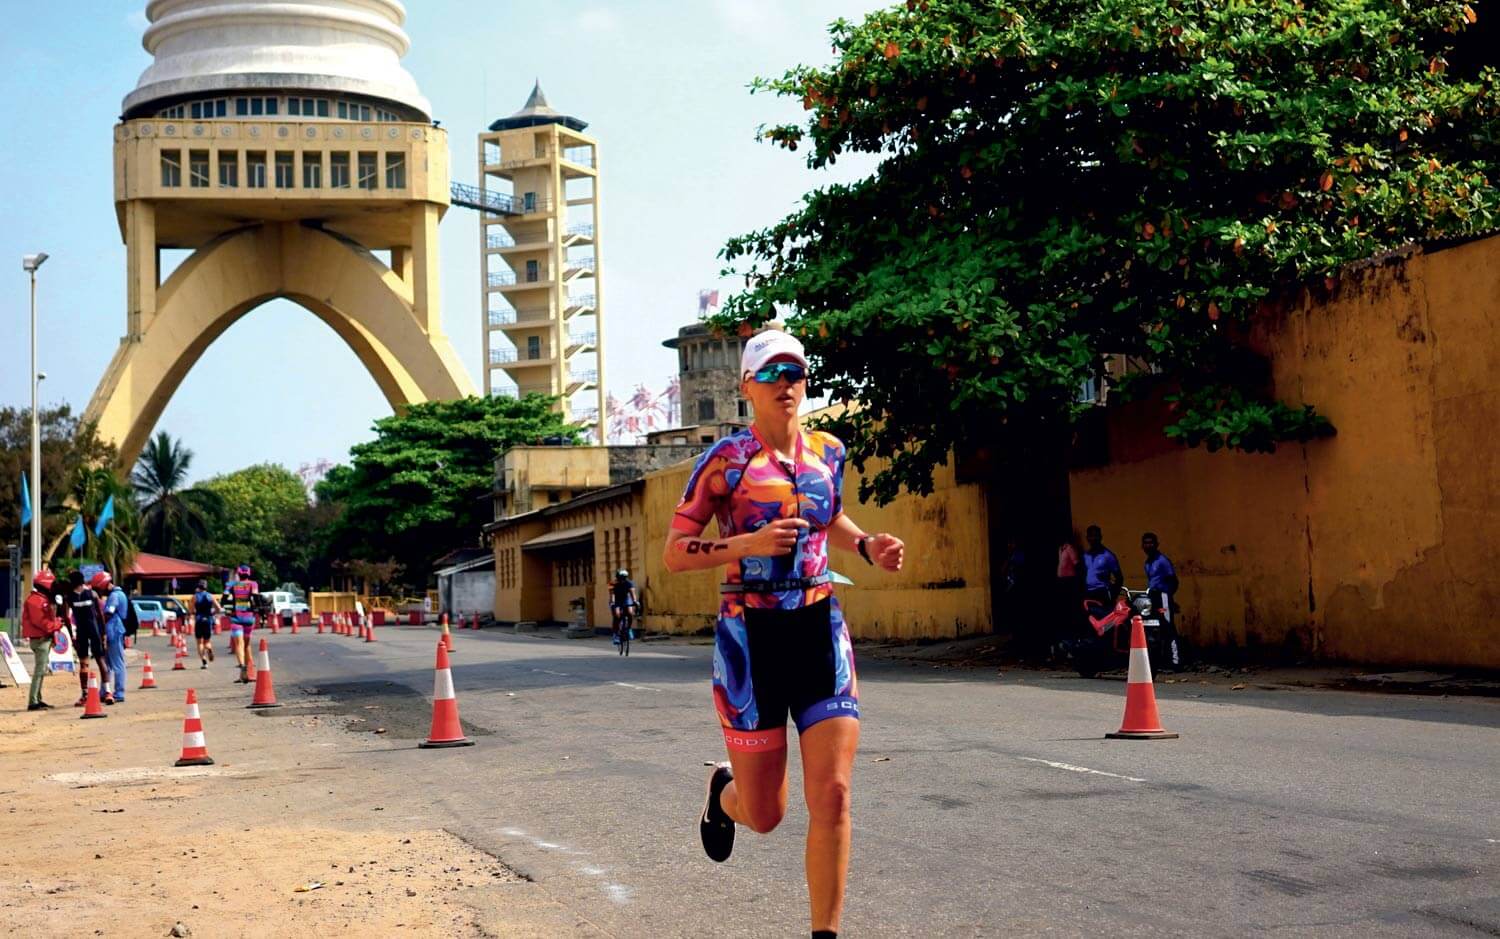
x=765, y=346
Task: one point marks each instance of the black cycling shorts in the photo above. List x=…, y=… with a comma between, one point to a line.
x=800, y=666
x=87, y=643
x=203, y=628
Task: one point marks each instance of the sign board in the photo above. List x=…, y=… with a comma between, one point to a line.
x=13, y=661
x=89, y=570
x=60, y=658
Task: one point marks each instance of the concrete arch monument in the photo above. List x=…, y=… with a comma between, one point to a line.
x=283, y=166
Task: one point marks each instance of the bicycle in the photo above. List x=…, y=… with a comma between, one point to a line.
x=627, y=618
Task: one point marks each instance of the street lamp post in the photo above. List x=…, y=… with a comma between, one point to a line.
x=29, y=264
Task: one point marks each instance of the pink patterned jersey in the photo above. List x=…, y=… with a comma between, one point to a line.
x=741, y=484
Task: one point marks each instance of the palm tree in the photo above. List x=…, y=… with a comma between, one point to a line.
x=173, y=518
x=117, y=545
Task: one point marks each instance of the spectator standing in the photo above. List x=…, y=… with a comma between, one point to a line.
x=88, y=636
x=116, y=609
x=1102, y=578
x=1069, y=586
x=38, y=622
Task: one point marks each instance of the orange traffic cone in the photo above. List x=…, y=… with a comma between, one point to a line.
x=447, y=637
x=370, y=631
x=178, y=655
x=155, y=628
x=275, y=625
x=148, y=677
x=447, y=731
x=265, y=691
x=194, y=750
x=294, y=625
x=320, y=625
x=91, y=705
x=1141, y=720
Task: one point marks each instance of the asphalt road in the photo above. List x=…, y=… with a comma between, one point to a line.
x=984, y=804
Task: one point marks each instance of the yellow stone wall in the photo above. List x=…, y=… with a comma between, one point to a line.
x=1376, y=545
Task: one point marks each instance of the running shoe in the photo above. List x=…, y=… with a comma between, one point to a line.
x=36, y=707
x=109, y=699
x=82, y=699
x=714, y=826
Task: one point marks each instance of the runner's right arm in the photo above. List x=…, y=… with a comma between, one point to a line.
x=693, y=552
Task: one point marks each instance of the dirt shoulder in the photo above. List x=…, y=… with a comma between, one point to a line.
x=282, y=836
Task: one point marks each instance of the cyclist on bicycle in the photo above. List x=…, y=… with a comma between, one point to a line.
x=623, y=601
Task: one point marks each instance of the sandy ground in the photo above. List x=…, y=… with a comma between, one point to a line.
x=100, y=835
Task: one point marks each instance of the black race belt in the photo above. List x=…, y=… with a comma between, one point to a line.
x=777, y=586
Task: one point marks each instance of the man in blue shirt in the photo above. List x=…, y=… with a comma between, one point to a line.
x=1102, y=577
x=1162, y=584
x=114, y=631
x=1161, y=576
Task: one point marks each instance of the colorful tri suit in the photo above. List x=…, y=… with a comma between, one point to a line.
x=804, y=662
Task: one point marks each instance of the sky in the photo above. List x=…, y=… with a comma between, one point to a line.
x=662, y=83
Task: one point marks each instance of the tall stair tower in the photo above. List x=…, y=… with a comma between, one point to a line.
x=543, y=324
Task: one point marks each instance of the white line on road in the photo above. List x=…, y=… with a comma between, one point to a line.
x=617, y=893
x=1081, y=769
x=622, y=684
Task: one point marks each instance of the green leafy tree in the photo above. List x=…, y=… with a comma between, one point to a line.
x=68, y=447
x=1064, y=181
x=418, y=489
x=175, y=519
x=261, y=506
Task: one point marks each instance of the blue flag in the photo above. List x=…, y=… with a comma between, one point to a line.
x=25, y=500
x=105, y=516
x=76, y=541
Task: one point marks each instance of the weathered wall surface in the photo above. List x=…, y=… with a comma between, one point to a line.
x=942, y=592
x=1372, y=546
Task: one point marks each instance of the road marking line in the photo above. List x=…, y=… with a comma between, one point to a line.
x=623, y=684
x=617, y=893
x=1081, y=769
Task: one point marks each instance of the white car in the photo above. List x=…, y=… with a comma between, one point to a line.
x=284, y=603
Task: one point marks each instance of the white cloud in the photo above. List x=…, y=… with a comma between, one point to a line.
x=599, y=20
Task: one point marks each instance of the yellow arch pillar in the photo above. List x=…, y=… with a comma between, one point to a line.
x=389, y=322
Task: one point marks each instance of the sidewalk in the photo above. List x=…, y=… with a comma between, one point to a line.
x=990, y=652
x=102, y=835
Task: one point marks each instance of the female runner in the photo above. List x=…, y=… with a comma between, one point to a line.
x=781, y=648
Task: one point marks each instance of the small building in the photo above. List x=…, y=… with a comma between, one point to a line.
x=159, y=574
x=534, y=477
x=551, y=559
x=466, y=582
x=708, y=375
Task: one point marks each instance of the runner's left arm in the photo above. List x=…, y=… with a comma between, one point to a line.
x=886, y=550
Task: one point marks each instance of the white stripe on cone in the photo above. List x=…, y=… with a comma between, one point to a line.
x=192, y=712
x=442, y=685
x=1140, y=668
x=263, y=660
x=192, y=740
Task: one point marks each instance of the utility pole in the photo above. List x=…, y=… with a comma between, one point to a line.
x=29, y=264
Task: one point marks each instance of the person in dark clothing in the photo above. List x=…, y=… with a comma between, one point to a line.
x=88, y=636
x=205, y=608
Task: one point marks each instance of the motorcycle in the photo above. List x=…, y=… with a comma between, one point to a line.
x=1109, y=647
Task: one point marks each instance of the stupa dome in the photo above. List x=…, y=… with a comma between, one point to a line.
x=350, y=47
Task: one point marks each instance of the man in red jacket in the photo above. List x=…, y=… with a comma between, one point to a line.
x=38, y=623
